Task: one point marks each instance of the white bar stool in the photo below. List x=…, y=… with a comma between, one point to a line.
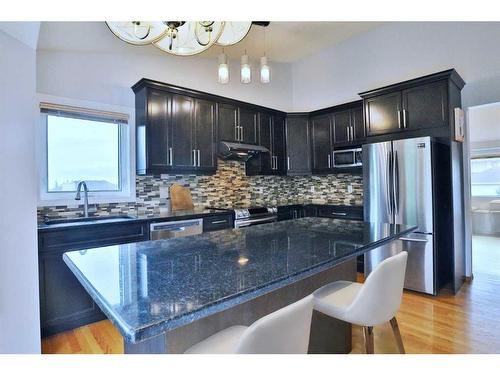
x=285, y=331
x=372, y=303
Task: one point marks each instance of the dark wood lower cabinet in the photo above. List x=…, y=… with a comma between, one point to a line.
x=64, y=303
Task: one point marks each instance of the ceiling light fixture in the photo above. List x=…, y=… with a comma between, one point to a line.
x=182, y=38
x=265, y=72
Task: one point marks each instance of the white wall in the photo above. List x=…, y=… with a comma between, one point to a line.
x=19, y=310
x=399, y=51
x=107, y=77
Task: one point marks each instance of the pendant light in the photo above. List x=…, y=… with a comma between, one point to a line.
x=223, y=68
x=265, y=72
x=246, y=71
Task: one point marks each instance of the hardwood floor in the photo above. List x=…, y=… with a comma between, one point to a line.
x=462, y=323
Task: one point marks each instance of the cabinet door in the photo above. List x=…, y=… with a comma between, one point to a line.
x=321, y=147
x=227, y=118
x=204, y=116
x=158, y=130
x=265, y=129
x=278, y=131
x=64, y=303
x=425, y=106
x=298, y=145
x=341, y=127
x=247, y=120
x=182, y=133
x=357, y=124
x=383, y=114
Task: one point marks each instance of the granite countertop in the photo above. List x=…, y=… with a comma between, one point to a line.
x=179, y=214
x=148, y=288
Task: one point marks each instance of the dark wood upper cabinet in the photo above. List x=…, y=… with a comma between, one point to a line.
x=271, y=132
x=266, y=140
x=205, y=134
x=358, y=124
x=228, y=118
x=279, y=144
x=420, y=106
x=153, y=122
x=383, y=114
x=247, y=121
x=298, y=161
x=321, y=145
x=183, y=149
x=425, y=106
x=341, y=128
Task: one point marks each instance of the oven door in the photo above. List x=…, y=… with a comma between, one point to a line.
x=256, y=221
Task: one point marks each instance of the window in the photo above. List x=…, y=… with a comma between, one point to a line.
x=84, y=146
x=82, y=150
x=485, y=177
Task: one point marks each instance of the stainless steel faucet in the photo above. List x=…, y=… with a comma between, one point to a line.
x=85, y=196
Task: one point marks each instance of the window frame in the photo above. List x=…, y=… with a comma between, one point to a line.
x=482, y=155
x=126, y=167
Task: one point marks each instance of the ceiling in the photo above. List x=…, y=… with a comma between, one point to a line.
x=284, y=41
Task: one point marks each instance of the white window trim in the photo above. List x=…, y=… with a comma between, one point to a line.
x=127, y=163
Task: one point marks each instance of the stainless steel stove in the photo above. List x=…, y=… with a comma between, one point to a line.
x=245, y=217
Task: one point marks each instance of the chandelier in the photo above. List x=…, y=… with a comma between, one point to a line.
x=182, y=38
x=187, y=38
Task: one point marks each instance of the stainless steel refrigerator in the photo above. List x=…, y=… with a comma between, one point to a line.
x=397, y=179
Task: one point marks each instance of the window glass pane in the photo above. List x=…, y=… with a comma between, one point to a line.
x=82, y=150
x=485, y=177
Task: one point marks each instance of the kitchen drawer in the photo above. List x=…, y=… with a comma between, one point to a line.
x=92, y=235
x=341, y=212
x=217, y=222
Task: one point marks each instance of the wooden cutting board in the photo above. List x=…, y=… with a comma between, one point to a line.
x=180, y=198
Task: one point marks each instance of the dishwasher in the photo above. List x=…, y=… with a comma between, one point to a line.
x=170, y=229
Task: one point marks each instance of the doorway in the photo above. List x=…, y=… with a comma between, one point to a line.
x=484, y=166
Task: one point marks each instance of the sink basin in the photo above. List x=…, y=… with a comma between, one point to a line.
x=86, y=219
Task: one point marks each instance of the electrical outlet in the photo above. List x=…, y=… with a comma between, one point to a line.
x=349, y=189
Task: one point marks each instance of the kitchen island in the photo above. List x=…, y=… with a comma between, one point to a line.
x=164, y=296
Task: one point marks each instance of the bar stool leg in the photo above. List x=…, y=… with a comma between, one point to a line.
x=369, y=344
x=397, y=335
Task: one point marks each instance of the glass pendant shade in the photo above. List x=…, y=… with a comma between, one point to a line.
x=233, y=32
x=265, y=71
x=246, y=71
x=138, y=32
x=190, y=38
x=223, y=69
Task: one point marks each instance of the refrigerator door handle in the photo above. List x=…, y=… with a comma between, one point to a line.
x=389, y=184
x=396, y=183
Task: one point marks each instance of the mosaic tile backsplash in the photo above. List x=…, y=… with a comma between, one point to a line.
x=229, y=187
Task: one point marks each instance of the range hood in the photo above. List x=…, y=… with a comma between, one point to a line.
x=239, y=151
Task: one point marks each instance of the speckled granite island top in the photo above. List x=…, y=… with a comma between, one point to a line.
x=148, y=288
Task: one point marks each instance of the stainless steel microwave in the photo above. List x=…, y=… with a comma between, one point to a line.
x=347, y=158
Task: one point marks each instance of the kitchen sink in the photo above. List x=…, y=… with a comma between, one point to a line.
x=87, y=219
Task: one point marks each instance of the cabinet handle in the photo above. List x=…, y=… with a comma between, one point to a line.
x=170, y=156
x=219, y=222
x=199, y=163
x=288, y=162
x=404, y=118
x=241, y=139
x=399, y=119
x=339, y=213
x=194, y=158
x=236, y=127
x=276, y=163
x=352, y=132
x=329, y=161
